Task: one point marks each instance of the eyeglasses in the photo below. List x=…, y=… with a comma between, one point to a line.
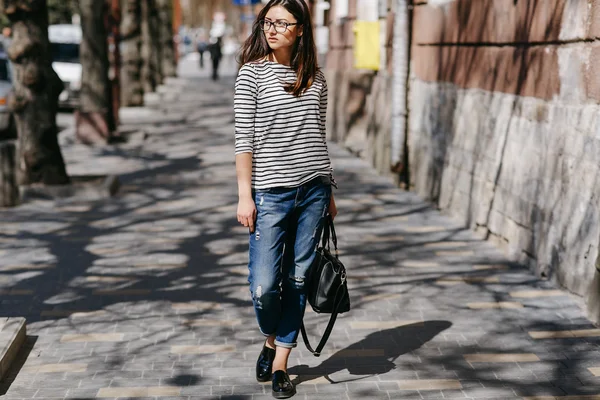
x=280, y=26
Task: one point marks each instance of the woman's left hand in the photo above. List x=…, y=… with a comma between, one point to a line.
x=332, y=207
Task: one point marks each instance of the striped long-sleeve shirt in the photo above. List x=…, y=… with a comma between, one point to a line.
x=284, y=133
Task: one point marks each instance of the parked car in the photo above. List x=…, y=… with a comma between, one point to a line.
x=65, y=40
x=7, y=124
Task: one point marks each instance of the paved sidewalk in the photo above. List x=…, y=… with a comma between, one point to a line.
x=145, y=295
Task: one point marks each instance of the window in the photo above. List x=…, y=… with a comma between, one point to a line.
x=65, y=52
x=4, y=70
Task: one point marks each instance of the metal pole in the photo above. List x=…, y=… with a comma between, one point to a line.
x=115, y=12
x=401, y=65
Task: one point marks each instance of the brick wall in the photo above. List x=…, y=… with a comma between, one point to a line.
x=505, y=126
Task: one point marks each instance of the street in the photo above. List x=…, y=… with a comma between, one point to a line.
x=145, y=295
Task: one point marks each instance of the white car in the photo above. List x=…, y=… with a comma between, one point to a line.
x=65, y=40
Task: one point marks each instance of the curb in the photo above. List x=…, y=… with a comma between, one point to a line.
x=12, y=337
x=86, y=188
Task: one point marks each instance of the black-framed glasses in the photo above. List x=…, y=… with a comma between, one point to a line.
x=280, y=26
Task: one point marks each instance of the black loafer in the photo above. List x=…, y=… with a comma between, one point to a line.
x=264, y=364
x=283, y=387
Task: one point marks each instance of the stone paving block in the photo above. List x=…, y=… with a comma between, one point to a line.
x=213, y=323
x=429, y=384
x=492, y=305
x=221, y=390
x=92, y=337
x=457, y=280
x=537, y=293
x=432, y=394
x=575, y=397
x=139, y=392
x=539, y=390
x=405, y=395
x=120, y=374
x=54, y=383
x=490, y=392
x=581, y=333
x=368, y=394
x=501, y=358
x=203, y=349
x=51, y=368
x=196, y=390
x=249, y=389
x=51, y=393
x=227, y=372
x=454, y=253
x=453, y=394
x=326, y=396
x=420, y=264
x=382, y=324
x=21, y=393
x=487, y=267
x=199, y=398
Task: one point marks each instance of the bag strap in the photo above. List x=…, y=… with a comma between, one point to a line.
x=328, y=330
x=329, y=231
x=325, y=234
x=324, y=339
x=333, y=235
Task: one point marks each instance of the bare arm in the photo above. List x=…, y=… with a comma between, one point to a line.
x=332, y=207
x=246, y=212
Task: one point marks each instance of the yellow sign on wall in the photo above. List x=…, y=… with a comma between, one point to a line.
x=367, y=48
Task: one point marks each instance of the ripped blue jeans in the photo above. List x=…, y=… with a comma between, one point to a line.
x=282, y=248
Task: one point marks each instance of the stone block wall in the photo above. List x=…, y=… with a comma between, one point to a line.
x=504, y=127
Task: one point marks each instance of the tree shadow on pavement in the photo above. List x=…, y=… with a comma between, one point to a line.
x=162, y=270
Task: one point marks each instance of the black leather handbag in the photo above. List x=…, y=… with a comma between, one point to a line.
x=326, y=284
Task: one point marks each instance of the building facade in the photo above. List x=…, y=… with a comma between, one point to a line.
x=359, y=110
x=503, y=121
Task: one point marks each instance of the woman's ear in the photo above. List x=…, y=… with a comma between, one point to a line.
x=300, y=30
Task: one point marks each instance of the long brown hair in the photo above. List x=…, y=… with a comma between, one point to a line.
x=304, y=53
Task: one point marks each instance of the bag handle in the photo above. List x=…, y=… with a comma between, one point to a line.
x=329, y=328
x=325, y=234
x=328, y=229
x=333, y=235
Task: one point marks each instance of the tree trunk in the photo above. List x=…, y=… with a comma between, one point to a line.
x=167, y=46
x=593, y=296
x=132, y=93
x=95, y=119
x=34, y=100
x=151, y=73
x=9, y=191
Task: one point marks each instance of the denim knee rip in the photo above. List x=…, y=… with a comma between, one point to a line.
x=262, y=299
x=297, y=281
x=257, y=295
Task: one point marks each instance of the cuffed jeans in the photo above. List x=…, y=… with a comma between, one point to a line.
x=282, y=248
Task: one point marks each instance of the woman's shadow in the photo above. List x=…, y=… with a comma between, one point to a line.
x=375, y=354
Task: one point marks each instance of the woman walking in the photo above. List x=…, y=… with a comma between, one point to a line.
x=284, y=174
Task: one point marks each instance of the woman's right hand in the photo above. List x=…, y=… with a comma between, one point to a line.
x=246, y=212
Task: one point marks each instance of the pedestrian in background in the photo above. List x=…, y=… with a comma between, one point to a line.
x=216, y=54
x=201, y=46
x=284, y=174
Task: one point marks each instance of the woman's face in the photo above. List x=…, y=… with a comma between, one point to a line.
x=277, y=37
